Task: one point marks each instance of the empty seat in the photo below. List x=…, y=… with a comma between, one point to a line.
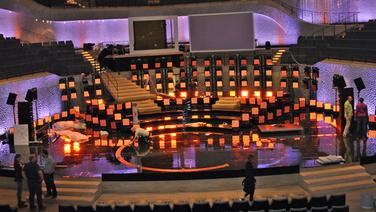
x=122, y=208
x=319, y=209
x=299, y=210
x=201, y=206
x=142, y=207
x=299, y=202
x=279, y=210
x=318, y=201
x=85, y=208
x=103, y=208
x=65, y=208
x=279, y=203
x=240, y=205
x=7, y=208
x=344, y=208
x=181, y=207
x=260, y=204
x=337, y=200
x=220, y=206
x=162, y=207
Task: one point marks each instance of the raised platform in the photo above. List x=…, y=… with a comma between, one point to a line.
x=279, y=128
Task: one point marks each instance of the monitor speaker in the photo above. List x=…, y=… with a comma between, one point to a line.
x=339, y=81
x=31, y=95
x=359, y=84
x=11, y=99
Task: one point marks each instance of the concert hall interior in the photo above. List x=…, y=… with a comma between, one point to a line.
x=194, y=105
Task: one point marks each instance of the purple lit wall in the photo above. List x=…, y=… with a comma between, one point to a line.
x=49, y=97
x=8, y=23
x=350, y=72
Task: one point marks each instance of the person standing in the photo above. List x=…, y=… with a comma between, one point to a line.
x=361, y=115
x=18, y=178
x=49, y=171
x=34, y=178
x=135, y=113
x=348, y=112
x=249, y=183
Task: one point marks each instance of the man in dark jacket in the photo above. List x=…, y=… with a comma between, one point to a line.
x=18, y=178
x=249, y=183
x=34, y=177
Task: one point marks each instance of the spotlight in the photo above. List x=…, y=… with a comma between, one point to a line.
x=244, y=93
x=257, y=94
x=269, y=94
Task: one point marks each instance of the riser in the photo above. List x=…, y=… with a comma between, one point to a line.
x=73, y=200
x=335, y=180
x=83, y=192
x=76, y=184
x=129, y=99
x=341, y=189
x=331, y=173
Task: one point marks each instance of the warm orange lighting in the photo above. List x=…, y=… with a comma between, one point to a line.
x=162, y=144
x=255, y=111
x=269, y=94
x=235, y=123
x=257, y=94
x=244, y=93
x=149, y=129
x=232, y=93
x=67, y=148
x=98, y=92
x=210, y=141
x=173, y=144
x=161, y=127
x=327, y=106
x=194, y=116
x=117, y=116
x=100, y=101
x=126, y=122
x=183, y=94
x=328, y=119
x=295, y=84
x=76, y=146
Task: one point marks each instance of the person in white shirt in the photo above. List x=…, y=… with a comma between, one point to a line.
x=140, y=134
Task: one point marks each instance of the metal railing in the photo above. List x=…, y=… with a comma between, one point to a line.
x=112, y=81
x=318, y=17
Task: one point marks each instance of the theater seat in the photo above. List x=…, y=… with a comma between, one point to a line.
x=260, y=204
x=162, y=207
x=85, y=208
x=220, y=206
x=201, y=206
x=299, y=202
x=103, y=208
x=318, y=201
x=344, y=208
x=142, y=207
x=7, y=208
x=122, y=208
x=181, y=207
x=337, y=200
x=319, y=209
x=240, y=205
x=299, y=210
x=64, y=208
x=279, y=203
x=279, y=210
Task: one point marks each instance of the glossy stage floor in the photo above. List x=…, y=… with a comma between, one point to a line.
x=204, y=142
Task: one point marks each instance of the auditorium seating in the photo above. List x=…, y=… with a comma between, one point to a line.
x=357, y=44
x=17, y=59
x=7, y=208
x=331, y=203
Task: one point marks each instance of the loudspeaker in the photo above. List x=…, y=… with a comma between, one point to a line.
x=359, y=84
x=32, y=94
x=25, y=116
x=268, y=45
x=339, y=81
x=11, y=98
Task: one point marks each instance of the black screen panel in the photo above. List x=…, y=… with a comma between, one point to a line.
x=149, y=35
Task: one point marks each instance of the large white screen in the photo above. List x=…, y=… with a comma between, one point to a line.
x=221, y=32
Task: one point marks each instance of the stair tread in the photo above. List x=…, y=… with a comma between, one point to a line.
x=335, y=178
x=74, y=198
x=343, y=185
x=76, y=190
x=331, y=170
x=83, y=183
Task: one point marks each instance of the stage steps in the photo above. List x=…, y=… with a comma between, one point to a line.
x=76, y=191
x=335, y=179
x=227, y=104
x=123, y=90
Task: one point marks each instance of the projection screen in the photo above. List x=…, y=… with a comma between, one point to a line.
x=222, y=32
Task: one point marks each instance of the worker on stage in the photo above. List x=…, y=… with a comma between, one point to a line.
x=140, y=135
x=348, y=113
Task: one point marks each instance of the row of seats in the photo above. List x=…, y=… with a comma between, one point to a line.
x=60, y=58
x=333, y=203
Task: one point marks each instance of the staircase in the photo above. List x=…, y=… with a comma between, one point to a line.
x=336, y=179
x=76, y=191
x=94, y=64
x=227, y=104
x=123, y=90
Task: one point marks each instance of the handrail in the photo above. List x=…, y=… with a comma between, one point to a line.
x=114, y=82
x=333, y=27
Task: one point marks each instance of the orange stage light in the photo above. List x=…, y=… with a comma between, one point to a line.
x=244, y=93
x=67, y=148
x=161, y=127
x=76, y=146
x=232, y=93
x=173, y=144
x=149, y=129
x=269, y=93
x=257, y=94
x=183, y=94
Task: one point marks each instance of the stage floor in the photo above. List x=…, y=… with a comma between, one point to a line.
x=210, y=151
